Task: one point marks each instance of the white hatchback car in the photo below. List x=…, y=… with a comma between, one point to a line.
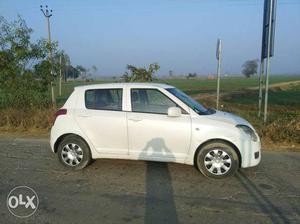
x=149, y=121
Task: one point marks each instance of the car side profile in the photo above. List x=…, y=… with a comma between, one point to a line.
x=153, y=122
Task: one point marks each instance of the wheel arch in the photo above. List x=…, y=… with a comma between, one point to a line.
x=58, y=141
x=218, y=140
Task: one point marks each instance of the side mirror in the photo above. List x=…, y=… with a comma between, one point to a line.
x=174, y=112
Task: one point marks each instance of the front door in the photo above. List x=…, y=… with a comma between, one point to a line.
x=152, y=134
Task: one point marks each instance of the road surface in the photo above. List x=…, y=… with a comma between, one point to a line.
x=122, y=191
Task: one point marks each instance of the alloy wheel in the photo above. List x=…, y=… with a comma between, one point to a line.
x=72, y=154
x=217, y=162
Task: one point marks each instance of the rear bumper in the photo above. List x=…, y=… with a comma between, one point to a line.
x=53, y=138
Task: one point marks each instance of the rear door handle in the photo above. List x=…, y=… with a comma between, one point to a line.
x=135, y=119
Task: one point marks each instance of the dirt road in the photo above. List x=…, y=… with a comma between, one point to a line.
x=122, y=191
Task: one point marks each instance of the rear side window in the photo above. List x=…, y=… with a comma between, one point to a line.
x=104, y=99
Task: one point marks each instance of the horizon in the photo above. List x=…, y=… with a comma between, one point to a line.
x=179, y=35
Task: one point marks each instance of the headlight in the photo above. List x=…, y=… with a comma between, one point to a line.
x=248, y=131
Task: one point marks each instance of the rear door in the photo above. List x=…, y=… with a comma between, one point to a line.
x=152, y=133
x=103, y=120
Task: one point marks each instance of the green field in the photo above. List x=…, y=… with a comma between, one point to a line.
x=288, y=97
x=236, y=87
x=227, y=83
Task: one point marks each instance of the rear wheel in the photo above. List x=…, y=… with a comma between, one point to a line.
x=217, y=159
x=74, y=153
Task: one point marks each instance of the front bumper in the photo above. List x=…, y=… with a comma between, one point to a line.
x=250, y=152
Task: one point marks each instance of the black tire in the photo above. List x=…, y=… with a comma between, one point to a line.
x=86, y=153
x=223, y=149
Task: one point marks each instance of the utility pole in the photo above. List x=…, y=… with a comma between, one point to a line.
x=219, y=57
x=267, y=51
x=270, y=48
x=268, y=63
x=48, y=13
x=261, y=82
x=60, y=73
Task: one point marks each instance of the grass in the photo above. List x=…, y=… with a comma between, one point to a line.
x=288, y=97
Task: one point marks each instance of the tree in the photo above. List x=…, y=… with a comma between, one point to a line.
x=140, y=74
x=94, y=68
x=82, y=71
x=72, y=72
x=25, y=70
x=65, y=62
x=249, y=68
x=191, y=75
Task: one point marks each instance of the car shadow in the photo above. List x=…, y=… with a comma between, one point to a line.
x=159, y=202
x=264, y=203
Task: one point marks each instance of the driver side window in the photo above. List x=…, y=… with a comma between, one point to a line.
x=150, y=101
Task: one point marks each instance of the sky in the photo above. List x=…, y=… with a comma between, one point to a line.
x=180, y=35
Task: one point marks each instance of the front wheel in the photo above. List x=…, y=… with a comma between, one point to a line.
x=74, y=153
x=217, y=159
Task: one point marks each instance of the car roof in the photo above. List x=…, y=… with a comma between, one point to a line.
x=125, y=84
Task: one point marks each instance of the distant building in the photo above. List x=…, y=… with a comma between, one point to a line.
x=211, y=77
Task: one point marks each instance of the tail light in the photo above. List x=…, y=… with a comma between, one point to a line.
x=58, y=113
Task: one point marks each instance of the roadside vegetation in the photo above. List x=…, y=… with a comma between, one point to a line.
x=26, y=74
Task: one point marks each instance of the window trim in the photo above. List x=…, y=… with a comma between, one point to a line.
x=122, y=91
x=184, y=112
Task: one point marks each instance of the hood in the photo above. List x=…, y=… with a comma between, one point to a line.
x=228, y=118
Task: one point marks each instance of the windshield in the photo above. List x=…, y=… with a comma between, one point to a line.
x=197, y=107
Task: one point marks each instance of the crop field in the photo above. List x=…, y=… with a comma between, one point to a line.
x=228, y=84
x=240, y=87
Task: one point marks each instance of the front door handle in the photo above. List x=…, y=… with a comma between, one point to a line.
x=135, y=119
